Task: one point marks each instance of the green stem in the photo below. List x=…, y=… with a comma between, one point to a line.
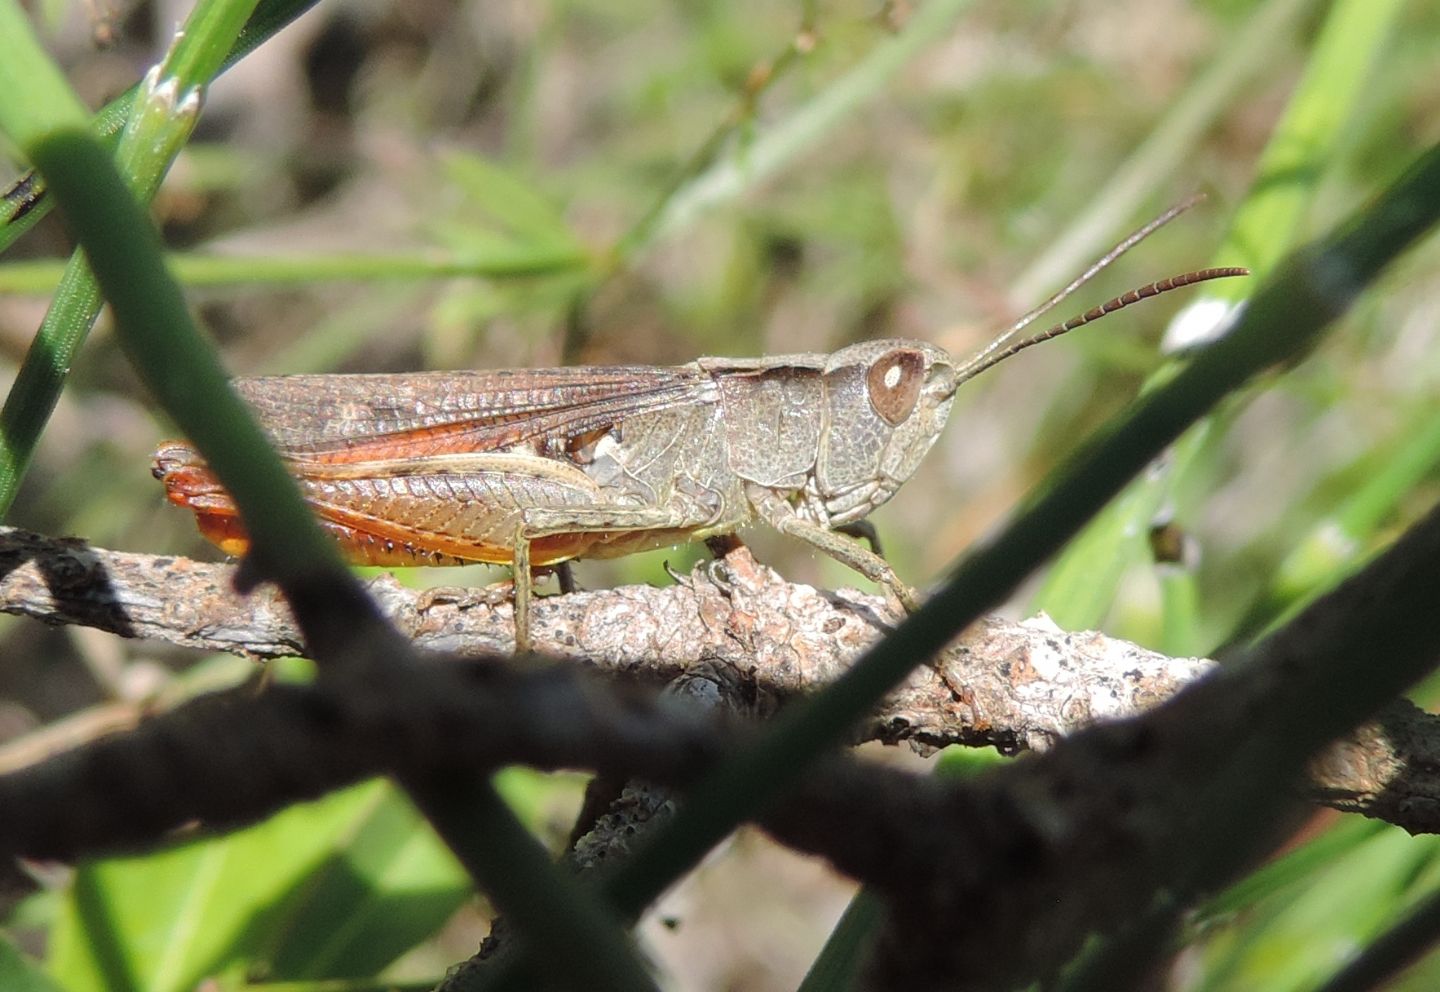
x=178, y=365
x=163, y=112
x=1283, y=319
x=572, y=930
x=1265, y=228
x=838, y=965
x=25, y=202
x=202, y=270
x=585, y=947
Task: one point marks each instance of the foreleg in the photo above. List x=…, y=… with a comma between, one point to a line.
x=780, y=515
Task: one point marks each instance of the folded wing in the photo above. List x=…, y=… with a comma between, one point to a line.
x=331, y=418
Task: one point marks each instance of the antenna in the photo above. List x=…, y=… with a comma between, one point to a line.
x=1005, y=345
x=990, y=357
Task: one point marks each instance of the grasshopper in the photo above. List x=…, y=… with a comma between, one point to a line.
x=534, y=467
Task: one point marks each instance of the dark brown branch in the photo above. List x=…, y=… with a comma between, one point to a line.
x=231, y=758
x=1018, y=685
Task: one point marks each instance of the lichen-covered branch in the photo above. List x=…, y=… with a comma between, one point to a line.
x=1018, y=685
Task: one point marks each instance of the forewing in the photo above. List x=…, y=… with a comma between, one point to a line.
x=344, y=418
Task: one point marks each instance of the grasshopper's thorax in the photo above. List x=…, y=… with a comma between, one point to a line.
x=885, y=403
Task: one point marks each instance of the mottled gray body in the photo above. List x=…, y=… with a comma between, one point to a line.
x=532, y=467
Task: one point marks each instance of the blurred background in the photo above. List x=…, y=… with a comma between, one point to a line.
x=395, y=186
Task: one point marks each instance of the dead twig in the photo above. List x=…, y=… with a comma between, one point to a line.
x=1018, y=685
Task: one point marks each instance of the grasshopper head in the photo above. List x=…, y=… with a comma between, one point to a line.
x=886, y=401
x=885, y=404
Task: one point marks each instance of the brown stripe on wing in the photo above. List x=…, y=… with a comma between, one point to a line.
x=494, y=433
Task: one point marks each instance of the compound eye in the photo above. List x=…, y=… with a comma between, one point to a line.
x=894, y=382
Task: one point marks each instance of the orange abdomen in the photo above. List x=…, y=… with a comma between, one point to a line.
x=364, y=539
